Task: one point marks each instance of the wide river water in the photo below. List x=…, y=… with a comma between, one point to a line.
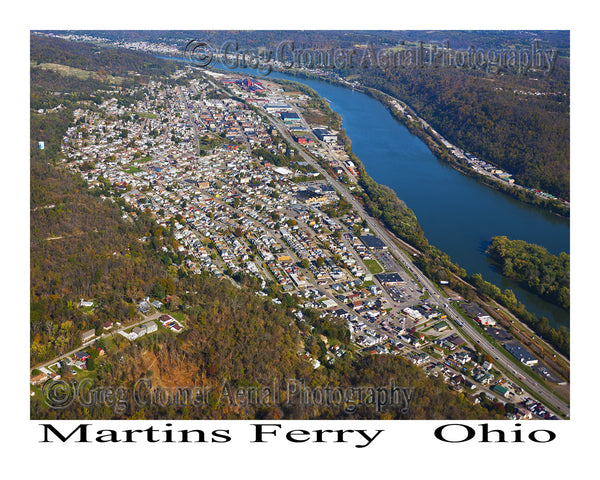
x=458, y=215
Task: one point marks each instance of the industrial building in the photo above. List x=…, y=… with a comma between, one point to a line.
x=519, y=352
x=324, y=135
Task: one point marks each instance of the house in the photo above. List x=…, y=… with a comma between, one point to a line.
x=156, y=304
x=39, y=378
x=428, y=312
x=82, y=356
x=85, y=304
x=462, y=357
x=457, y=381
x=358, y=305
x=107, y=325
x=411, y=340
x=376, y=350
x=79, y=364
x=144, y=307
x=418, y=358
x=483, y=378
x=523, y=414
x=138, y=332
x=65, y=362
x=438, y=350
x=88, y=335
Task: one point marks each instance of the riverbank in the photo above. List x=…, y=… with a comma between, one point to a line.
x=441, y=148
x=460, y=160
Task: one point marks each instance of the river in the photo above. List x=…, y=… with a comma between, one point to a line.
x=458, y=215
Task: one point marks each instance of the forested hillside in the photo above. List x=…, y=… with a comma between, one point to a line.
x=517, y=123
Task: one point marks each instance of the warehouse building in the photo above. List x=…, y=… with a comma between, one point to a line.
x=519, y=352
x=324, y=135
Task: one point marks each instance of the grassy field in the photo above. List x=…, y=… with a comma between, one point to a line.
x=142, y=160
x=76, y=72
x=373, y=266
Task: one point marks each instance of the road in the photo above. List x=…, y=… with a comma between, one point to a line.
x=377, y=228
x=104, y=335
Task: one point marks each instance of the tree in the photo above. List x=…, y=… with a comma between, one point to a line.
x=158, y=291
x=305, y=263
x=90, y=364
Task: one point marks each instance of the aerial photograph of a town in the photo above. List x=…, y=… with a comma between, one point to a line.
x=299, y=225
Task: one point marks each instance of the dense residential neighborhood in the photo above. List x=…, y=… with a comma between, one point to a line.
x=193, y=154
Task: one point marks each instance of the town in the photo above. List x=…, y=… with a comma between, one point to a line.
x=235, y=167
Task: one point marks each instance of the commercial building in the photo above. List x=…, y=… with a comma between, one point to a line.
x=519, y=352
x=289, y=117
x=499, y=389
x=309, y=196
x=277, y=107
x=324, y=135
x=389, y=278
x=485, y=320
x=372, y=242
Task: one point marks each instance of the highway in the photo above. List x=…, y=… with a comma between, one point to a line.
x=557, y=405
